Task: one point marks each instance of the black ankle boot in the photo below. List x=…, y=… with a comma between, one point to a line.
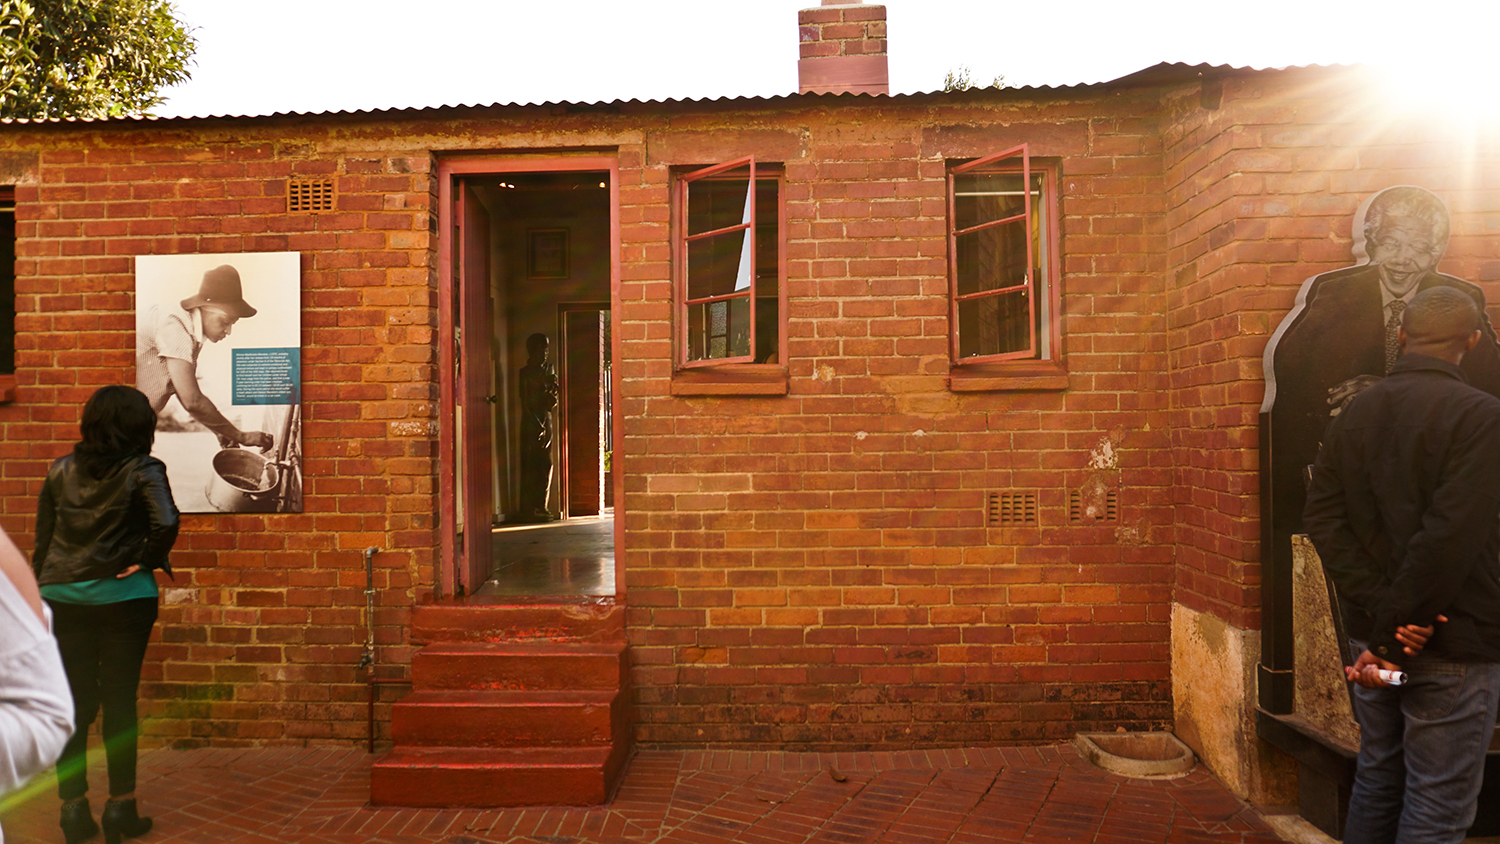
x=119, y=819
x=77, y=822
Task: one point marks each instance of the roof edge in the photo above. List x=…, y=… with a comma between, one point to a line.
x=1160, y=74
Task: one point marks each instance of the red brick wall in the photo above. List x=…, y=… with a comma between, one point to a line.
x=1263, y=176
x=815, y=569
x=812, y=569
x=261, y=631
x=841, y=31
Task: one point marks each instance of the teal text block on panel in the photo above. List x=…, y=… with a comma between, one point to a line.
x=266, y=376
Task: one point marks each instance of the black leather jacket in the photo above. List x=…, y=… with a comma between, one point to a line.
x=91, y=528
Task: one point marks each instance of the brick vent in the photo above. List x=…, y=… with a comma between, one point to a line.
x=304, y=196
x=1079, y=512
x=1011, y=508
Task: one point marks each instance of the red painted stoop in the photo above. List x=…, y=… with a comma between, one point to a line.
x=515, y=705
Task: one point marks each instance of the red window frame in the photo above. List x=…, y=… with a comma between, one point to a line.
x=8, y=331
x=1040, y=282
x=684, y=239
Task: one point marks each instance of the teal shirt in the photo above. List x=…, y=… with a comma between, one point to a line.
x=108, y=590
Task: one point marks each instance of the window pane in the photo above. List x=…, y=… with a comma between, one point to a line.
x=719, y=265
x=986, y=197
x=992, y=258
x=994, y=325
x=719, y=329
x=718, y=202
x=746, y=326
x=767, y=270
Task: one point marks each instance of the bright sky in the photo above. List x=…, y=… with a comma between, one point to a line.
x=333, y=55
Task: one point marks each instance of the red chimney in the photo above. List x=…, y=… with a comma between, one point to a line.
x=843, y=49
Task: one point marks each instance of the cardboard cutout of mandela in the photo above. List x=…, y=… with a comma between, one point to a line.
x=218, y=355
x=1340, y=337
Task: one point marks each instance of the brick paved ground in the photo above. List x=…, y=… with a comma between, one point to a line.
x=1039, y=794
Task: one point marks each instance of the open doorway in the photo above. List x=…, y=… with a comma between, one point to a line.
x=532, y=257
x=569, y=550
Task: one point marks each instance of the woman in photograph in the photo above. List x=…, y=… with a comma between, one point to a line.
x=105, y=521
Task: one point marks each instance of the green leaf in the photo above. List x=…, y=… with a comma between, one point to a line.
x=89, y=58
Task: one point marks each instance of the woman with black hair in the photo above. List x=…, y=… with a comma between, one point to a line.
x=105, y=521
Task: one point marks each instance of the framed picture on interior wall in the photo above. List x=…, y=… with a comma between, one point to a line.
x=547, y=253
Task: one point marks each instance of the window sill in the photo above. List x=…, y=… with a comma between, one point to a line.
x=1031, y=375
x=7, y=388
x=731, y=380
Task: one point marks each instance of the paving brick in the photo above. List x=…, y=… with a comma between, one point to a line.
x=1037, y=795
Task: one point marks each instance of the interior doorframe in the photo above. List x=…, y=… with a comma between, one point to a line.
x=565, y=456
x=449, y=170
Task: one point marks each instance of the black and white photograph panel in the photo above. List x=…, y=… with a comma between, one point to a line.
x=218, y=354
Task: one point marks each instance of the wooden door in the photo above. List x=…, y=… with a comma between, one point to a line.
x=476, y=398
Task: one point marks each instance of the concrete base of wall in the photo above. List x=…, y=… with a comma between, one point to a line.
x=1213, y=694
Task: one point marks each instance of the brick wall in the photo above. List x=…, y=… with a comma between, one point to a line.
x=815, y=569
x=1263, y=176
x=263, y=626
x=842, y=49
x=811, y=569
x=841, y=30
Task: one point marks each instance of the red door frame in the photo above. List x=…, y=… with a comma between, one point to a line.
x=450, y=169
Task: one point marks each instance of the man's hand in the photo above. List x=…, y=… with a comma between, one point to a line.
x=257, y=439
x=1363, y=670
x=1414, y=638
x=1340, y=394
x=129, y=570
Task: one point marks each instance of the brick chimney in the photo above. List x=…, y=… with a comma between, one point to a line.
x=843, y=49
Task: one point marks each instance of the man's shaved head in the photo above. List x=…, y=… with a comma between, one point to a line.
x=1442, y=322
x=1440, y=315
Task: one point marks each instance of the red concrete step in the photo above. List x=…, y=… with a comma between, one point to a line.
x=508, y=718
x=591, y=620
x=489, y=777
x=519, y=665
x=512, y=705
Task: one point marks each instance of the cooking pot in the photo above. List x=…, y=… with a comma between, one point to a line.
x=243, y=481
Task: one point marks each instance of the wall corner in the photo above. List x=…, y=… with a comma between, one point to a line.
x=1213, y=707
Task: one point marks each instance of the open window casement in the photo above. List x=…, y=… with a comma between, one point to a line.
x=716, y=264
x=995, y=239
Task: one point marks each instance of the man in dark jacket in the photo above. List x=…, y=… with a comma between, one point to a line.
x=1403, y=510
x=1340, y=338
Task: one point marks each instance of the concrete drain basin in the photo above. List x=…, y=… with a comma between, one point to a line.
x=1136, y=754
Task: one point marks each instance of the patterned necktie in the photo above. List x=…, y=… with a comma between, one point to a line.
x=1393, y=348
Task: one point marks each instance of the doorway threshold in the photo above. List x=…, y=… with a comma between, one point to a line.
x=566, y=559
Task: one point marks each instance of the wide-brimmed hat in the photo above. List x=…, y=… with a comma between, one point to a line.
x=221, y=287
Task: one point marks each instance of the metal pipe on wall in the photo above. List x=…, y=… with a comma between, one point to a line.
x=367, y=659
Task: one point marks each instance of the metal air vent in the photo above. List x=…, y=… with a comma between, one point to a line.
x=1011, y=509
x=1097, y=509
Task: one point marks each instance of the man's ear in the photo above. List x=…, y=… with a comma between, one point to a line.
x=1401, y=336
x=1473, y=341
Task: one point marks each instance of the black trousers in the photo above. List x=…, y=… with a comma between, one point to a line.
x=102, y=648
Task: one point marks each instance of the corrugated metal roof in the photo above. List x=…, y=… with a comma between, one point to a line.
x=1164, y=73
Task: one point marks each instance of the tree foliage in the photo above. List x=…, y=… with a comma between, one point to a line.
x=89, y=58
x=961, y=80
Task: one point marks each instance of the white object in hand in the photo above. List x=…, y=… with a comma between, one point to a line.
x=1391, y=678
